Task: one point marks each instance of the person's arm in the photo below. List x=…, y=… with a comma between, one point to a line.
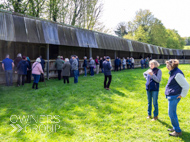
x=158, y=77
x=3, y=66
x=180, y=79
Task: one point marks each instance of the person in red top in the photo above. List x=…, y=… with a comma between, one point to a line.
x=97, y=64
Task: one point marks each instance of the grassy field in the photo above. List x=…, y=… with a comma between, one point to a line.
x=86, y=112
x=187, y=47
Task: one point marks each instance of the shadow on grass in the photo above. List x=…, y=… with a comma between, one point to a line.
x=185, y=135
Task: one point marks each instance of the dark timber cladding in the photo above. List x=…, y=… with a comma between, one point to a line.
x=18, y=32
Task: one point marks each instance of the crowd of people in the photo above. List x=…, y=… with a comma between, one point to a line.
x=176, y=88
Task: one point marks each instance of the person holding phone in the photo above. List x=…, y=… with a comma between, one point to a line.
x=153, y=77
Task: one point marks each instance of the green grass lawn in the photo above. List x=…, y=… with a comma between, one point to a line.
x=87, y=112
x=187, y=47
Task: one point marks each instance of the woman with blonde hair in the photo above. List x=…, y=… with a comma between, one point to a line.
x=36, y=72
x=153, y=77
x=176, y=88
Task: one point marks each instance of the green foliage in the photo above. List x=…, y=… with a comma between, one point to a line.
x=187, y=47
x=174, y=40
x=146, y=28
x=121, y=29
x=89, y=113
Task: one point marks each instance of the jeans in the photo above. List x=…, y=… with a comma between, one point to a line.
x=116, y=67
x=142, y=66
x=172, y=111
x=107, y=85
x=9, y=77
x=92, y=71
x=152, y=95
x=132, y=65
x=102, y=70
x=75, y=76
x=36, y=78
x=28, y=76
x=123, y=67
x=85, y=71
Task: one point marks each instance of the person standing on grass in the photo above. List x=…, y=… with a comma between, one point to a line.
x=59, y=66
x=124, y=63
x=147, y=62
x=97, y=64
x=85, y=66
x=28, y=76
x=22, y=70
x=71, y=62
x=132, y=62
x=107, y=73
x=101, y=65
x=120, y=64
x=142, y=63
x=128, y=63
x=74, y=68
x=153, y=77
x=116, y=64
x=36, y=72
x=78, y=63
x=66, y=71
x=92, y=64
x=176, y=88
x=8, y=65
x=16, y=61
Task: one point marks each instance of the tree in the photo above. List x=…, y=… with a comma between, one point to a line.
x=141, y=35
x=121, y=29
x=174, y=40
x=158, y=34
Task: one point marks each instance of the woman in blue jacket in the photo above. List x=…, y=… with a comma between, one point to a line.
x=176, y=88
x=153, y=77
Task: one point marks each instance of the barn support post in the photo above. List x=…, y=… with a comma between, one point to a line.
x=47, y=70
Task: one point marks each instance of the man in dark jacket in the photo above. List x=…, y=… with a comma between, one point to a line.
x=107, y=73
x=17, y=60
x=101, y=65
x=116, y=64
x=85, y=65
x=43, y=67
x=22, y=70
x=66, y=70
x=59, y=66
x=120, y=64
x=71, y=61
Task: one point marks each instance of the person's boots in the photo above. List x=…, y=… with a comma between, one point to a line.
x=33, y=85
x=36, y=85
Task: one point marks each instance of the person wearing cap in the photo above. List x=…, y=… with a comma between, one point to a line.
x=74, y=68
x=8, y=65
x=107, y=73
x=59, y=66
x=22, y=70
x=36, y=72
x=176, y=88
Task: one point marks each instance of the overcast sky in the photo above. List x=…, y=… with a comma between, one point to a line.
x=174, y=14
